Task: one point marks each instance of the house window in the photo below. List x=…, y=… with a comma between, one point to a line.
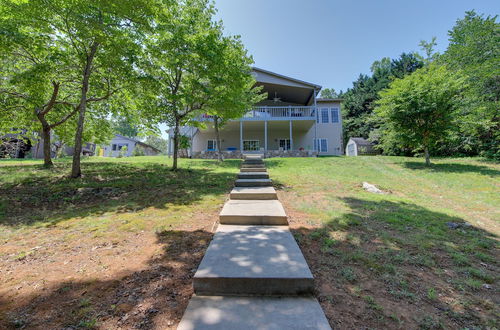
x=113, y=147
x=211, y=145
x=324, y=116
x=285, y=144
x=251, y=145
x=335, y=115
x=321, y=145
x=121, y=145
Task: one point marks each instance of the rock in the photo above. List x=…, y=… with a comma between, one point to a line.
x=372, y=188
x=456, y=225
x=487, y=286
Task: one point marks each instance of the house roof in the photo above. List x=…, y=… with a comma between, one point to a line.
x=138, y=142
x=287, y=89
x=361, y=141
x=287, y=78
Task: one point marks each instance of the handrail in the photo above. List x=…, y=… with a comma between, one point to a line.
x=265, y=112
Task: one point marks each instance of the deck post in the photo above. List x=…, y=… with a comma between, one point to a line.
x=241, y=137
x=265, y=135
x=291, y=137
x=315, y=147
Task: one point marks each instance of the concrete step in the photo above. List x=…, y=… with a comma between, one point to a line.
x=253, y=169
x=253, y=175
x=253, y=166
x=253, y=193
x=254, y=156
x=253, y=161
x=249, y=313
x=253, y=183
x=253, y=260
x=253, y=212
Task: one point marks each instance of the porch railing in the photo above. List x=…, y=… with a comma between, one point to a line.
x=276, y=113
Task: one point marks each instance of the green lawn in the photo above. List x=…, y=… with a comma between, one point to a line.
x=132, y=225
x=391, y=260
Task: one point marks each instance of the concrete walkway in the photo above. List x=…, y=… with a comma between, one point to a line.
x=253, y=274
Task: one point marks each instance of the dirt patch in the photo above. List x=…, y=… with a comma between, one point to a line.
x=142, y=281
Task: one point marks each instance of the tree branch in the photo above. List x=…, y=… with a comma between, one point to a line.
x=55, y=91
x=68, y=116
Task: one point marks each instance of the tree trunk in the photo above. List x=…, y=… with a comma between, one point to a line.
x=47, y=159
x=427, y=157
x=76, y=171
x=176, y=145
x=217, y=137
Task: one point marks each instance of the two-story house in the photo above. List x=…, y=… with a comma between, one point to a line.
x=291, y=122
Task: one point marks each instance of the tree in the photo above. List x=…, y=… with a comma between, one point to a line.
x=33, y=88
x=157, y=142
x=419, y=109
x=474, y=50
x=78, y=53
x=359, y=101
x=184, y=66
x=233, y=90
x=329, y=93
x=125, y=127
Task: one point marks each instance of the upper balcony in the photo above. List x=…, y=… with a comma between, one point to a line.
x=274, y=113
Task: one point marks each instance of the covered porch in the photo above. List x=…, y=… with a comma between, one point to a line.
x=272, y=138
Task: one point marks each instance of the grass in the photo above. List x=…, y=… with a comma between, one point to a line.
x=398, y=248
x=131, y=232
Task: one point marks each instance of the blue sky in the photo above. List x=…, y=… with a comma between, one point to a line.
x=331, y=42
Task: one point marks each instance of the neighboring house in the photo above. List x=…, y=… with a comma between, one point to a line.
x=19, y=146
x=358, y=146
x=124, y=146
x=291, y=122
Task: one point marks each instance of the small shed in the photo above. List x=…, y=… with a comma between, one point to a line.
x=358, y=146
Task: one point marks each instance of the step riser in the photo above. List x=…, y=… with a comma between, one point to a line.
x=253, y=166
x=253, y=220
x=260, y=162
x=253, y=286
x=253, y=176
x=252, y=169
x=244, y=196
x=253, y=184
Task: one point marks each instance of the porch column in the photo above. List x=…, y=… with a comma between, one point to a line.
x=291, y=137
x=241, y=136
x=315, y=122
x=265, y=135
x=191, y=144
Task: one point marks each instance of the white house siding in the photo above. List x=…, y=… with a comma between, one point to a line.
x=330, y=131
x=109, y=152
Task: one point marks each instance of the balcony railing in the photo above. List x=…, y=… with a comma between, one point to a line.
x=274, y=113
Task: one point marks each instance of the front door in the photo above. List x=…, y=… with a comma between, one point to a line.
x=251, y=145
x=285, y=144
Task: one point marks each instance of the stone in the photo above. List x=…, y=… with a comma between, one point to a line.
x=253, y=193
x=253, y=212
x=257, y=260
x=249, y=313
x=372, y=188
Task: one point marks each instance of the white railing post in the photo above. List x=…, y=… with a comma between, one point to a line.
x=241, y=137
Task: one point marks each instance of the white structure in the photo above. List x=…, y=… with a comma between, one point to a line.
x=290, y=122
x=124, y=146
x=359, y=146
